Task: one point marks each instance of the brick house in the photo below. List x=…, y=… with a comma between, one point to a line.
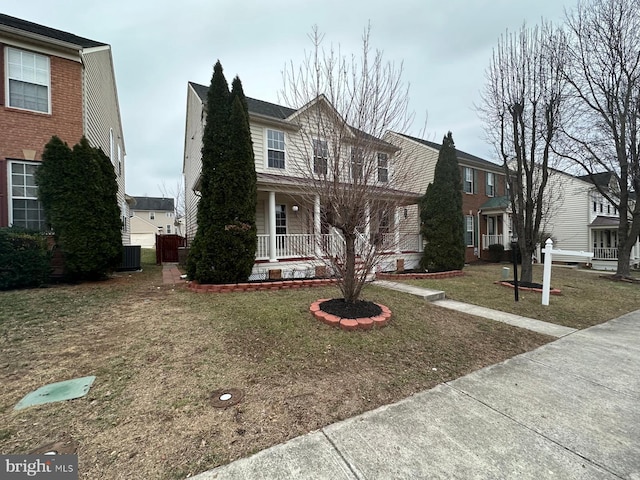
x=485, y=204
x=52, y=83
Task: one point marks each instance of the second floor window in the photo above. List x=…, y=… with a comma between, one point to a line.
x=357, y=163
x=275, y=148
x=469, y=180
x=28, y=80
x=383, y=167
x=320, y=157
x=491, y=181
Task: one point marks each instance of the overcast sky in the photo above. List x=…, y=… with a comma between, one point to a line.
x=159, y=46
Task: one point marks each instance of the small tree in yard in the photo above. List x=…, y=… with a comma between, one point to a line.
x=358, y=178
x=441, y=214
x=78, y=191
x=223, y=250
x=523, y=103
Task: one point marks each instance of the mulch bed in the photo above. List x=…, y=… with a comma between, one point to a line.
x=359, y=309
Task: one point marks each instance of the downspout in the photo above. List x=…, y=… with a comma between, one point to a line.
x=479, y=233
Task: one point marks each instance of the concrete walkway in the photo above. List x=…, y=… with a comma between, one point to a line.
x=567, y=410
x=437, y=298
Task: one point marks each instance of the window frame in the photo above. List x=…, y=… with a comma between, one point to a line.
x=272, y=147
x=42, y=222
x=357, y=163
x=8, y=78
x=320, y=162
x=384, y=157
x=490, y=185
x=469, y=221
x=281, y=219
x=468, y=172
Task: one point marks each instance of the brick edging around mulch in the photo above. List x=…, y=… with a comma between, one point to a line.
x=418, y=276
x=259, y=286
x=365, y=323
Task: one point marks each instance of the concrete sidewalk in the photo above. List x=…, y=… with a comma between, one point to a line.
x=567, y=410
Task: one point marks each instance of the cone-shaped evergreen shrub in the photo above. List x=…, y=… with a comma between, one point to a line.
x=441, y=214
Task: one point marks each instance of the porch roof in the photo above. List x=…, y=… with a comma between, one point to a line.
x=496, y=203
x=304, y=186
x=601, y=221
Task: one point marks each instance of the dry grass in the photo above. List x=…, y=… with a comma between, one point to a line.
x=588, y=297
x=158, y=352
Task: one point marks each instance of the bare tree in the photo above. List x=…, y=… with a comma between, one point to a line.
x=177, y=193
x=522, y=105
x=602, y=136
x=358, y=179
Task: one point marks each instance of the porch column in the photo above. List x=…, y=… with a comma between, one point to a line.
x=396, y=229
x=272, y=227
x=367, y=221
x=317, y=227
x=506, y=241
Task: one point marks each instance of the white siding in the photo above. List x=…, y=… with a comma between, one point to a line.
x=102, y=114
x=192, y=162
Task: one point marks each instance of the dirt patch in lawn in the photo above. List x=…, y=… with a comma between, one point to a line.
x=159, y=352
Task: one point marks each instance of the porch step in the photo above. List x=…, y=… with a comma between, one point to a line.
x=425, y=293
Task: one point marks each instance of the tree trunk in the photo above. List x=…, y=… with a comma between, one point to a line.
x=349, y=279
x=526, y=267
x=624, y=255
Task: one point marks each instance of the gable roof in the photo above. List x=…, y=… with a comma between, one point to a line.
x=464, y=156
x=155, y=204
x=602, y=179
x=13, y=25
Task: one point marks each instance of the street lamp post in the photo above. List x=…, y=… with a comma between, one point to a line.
x=514, y=255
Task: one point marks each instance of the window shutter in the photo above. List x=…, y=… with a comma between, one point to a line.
x=475, y=181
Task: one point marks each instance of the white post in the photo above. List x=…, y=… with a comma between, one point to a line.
x=546, y=277
x=273, y=255
x=396, y=230
x=367, y=220
x=317, y=226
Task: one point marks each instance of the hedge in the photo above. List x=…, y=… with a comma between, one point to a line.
x=24, y=259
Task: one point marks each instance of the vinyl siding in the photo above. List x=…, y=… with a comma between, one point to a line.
x=192, y=162
x=102, y=115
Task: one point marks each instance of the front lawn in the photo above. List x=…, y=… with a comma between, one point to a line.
x=158, y=352
x=588, y=297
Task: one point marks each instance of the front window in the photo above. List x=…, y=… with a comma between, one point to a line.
x=152, y=215
x=275, y=148
x=490, y=184
x=26, y=209
x=383, y=167
x=357, y=163
x=169, y=229
x=468, y=234
x=468, y=180
x=28, y=80
x=320, y=157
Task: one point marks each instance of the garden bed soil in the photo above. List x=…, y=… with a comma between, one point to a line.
x=358, y=309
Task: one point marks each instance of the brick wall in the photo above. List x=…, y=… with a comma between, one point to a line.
x=26, y=130
x=31, y=130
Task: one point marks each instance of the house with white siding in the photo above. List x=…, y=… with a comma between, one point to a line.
x=151, y=216
x=585, y=221
x=288, y=215
x=53, y=83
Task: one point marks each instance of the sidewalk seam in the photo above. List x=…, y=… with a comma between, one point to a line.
x=346, y=462
x=540, y=434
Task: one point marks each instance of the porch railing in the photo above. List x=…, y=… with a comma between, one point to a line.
x=605, y=253
x=490, y=240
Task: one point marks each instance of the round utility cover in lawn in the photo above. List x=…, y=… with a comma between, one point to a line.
x=56, y=392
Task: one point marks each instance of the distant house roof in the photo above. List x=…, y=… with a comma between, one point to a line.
x=460, y=154
x=602, y=178
x=258, y=107
x=154, y=204
x=8, y=23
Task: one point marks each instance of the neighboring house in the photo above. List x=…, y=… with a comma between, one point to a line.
x=52, y=83
x=151, y=216
x=485, y=204
x=288, y=217
x=585, y=221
